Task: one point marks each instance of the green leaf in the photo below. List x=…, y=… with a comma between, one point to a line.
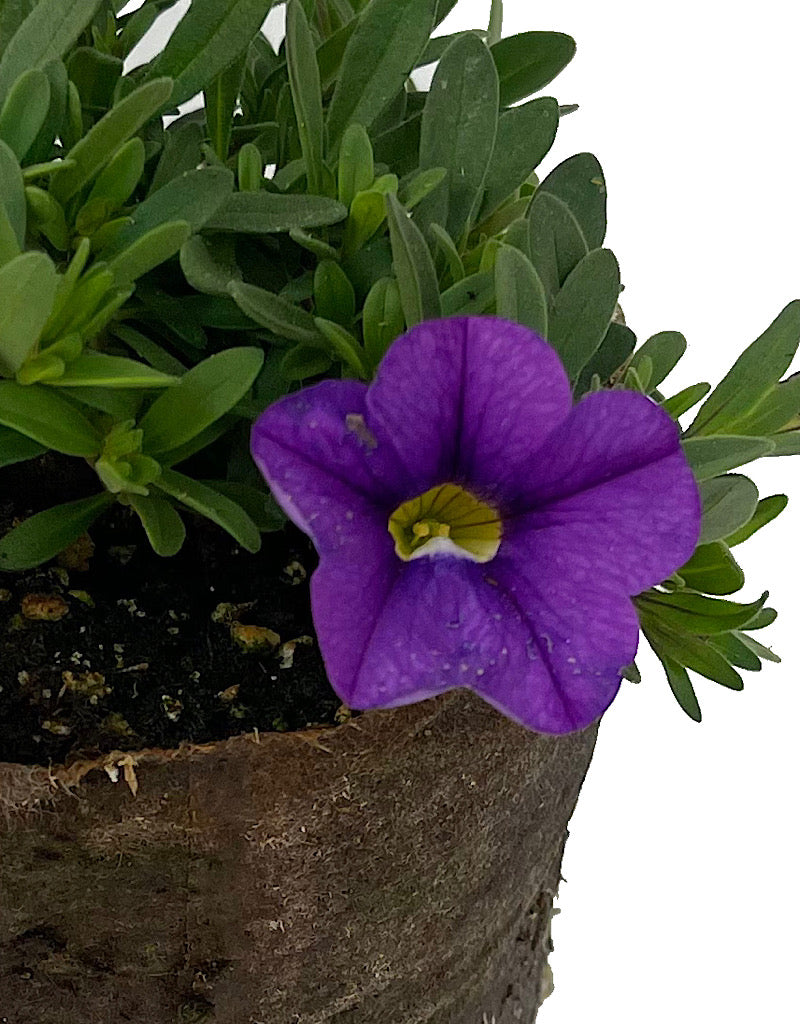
x=763, y=618
x=579, y=182
x=472, y=296
x=728, y=503
x=180, y=153
x=713, y=570
x=582, y=309
x=696, y=615
x=356, y=170
x=779, y=407
x=519, y=290
x=685, y=399
x=614, y=351
x=557, y=244
x=711, y=456
x=678, y=679
x=28, y=288
x=207, y=40
x=13, y=208
x=459, y=125
x=48, y=32
x=275, y=313
x=413, y=265
x=664, y=350
x=528, y=61
x=257, y=503
x=383, y=318
x=121, y=175
x=334, y=297
x=344, y=346
x=162, y=524
x=304, y=361
x=766, y=510
x=447, y=247
x=16, y=447
x=220, y=97
x=43, y=415
x=699, y=656
x=193, y=197
x=261, y=213
x=148, y=251
x=96, y=369
x=786, y=443
x=758, y=649
x=525, y=135
x=752, y=376
x=201, y=397
x=95, y=75
x=209, y=263
x=734, y=651
x=213, y=505
x=367, y=213
x=301, y=60
x=24, y=111
x=388, y=39
x=43, y=536
x=92, y=152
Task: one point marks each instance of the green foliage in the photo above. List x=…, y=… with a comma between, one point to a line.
x=162, y=282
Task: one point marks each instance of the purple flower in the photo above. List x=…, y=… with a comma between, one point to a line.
x=474, y=527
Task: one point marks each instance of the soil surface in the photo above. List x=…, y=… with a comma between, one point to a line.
x=111, y=647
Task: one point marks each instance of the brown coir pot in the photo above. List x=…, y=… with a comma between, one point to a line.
x=396, y=869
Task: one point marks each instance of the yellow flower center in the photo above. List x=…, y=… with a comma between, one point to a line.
x=446, y=520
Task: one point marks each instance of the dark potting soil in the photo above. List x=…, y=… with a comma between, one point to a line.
x=111, y=647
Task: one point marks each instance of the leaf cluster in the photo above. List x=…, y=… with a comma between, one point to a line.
x=165, y=275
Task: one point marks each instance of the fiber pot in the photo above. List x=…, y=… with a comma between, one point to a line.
x=396, y=868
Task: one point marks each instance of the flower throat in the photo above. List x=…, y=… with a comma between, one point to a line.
x=446, y=520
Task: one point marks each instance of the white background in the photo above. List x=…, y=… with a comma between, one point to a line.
x=682, y=896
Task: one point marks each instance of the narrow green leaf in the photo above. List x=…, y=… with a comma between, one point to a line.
x=43, y=536
x=711, y=456
x=664, y=350
x=334, y=297
x=275, y=313
x=201, y=397
x=525, y=135
x=614, y=351
x=582, y=309
x=28, y=288
x=685, y=399
x=180, y=153
x=96, y=369
x=414, y=269
x=221, y=96
x=12, y=203
x=45, y=35
x=764, y=653
x=209, y=263
x=383, y=318
x=257, y=502
x=786, y=443
x=261, y=213
x=121, y=175
x=208, y=39
x=766, y=510
x=712, y=569
x=213, y=505
x=698, y=655
x=446, y=246
x=16, y=447
x=779, y=407
x=95, y=75
x=42, y=148
x=162, y=524
x=53, y=421
x=472, y=296
x=519, y=290
x=698, y=615
x=149, y=251
x=728, y=503
x=193, y=197
x=678, y=679
x=580, y=184
x=304, y=361
x=344, y=346
x=356, y=170
x=459, y=126
x=24, y=111
x=528, y=61
x=387, y=41
x=734, y=651
x=557, y=244
x=92, y=152
x=753, y=374
x=301, y=60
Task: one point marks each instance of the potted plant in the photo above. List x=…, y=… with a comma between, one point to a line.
x=223, y=801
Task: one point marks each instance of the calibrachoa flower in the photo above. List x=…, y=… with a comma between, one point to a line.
x=474, y=527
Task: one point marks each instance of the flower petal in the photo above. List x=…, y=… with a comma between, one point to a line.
x=613, y=496
x=468, y=399
x=332, y=476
